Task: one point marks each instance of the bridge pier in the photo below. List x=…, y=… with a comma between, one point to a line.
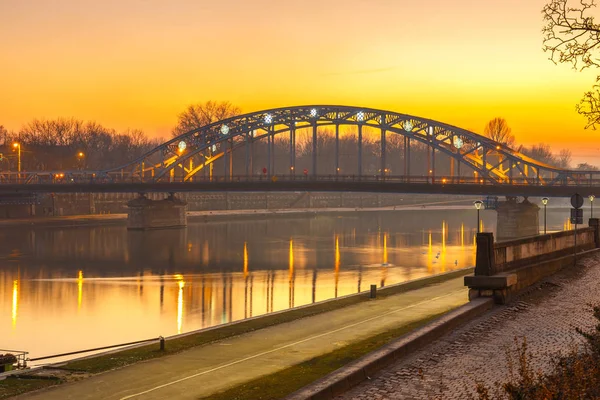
x=517, y=220
x=144, y=213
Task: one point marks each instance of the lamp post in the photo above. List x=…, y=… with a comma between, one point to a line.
x=478, y=204
x=592, y=197
x=545, y=202
x=80, y=157
x=18, y=147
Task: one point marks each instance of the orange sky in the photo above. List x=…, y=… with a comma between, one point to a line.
x=138, y=63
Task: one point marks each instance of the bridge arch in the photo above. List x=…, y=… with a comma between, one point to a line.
x=185, y=156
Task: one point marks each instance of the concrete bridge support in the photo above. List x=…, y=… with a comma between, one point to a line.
x=144, y=213
x=517, y=220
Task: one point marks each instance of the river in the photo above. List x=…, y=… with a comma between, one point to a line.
x=67, y=289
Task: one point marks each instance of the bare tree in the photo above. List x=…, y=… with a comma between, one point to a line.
x=199, y=115
x=498, y=130
x=571, y=36
x=586, y=167
x=565, y=158
x=540, y=152
x=55, y=144
x=5, y=136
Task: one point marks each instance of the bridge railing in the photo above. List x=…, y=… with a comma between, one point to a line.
x=88, y=178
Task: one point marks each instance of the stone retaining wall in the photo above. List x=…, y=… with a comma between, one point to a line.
x=116, y=203
x=504, y=268
x=520, y=252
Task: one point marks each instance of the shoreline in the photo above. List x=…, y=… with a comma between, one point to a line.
x=210, y=215
x=214, y=215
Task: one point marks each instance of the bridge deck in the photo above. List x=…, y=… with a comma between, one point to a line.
x=320, y=185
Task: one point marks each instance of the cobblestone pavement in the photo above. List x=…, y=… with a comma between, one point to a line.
x=449, y=368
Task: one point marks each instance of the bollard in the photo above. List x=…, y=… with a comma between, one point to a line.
x=373, y=293
x=162, y=343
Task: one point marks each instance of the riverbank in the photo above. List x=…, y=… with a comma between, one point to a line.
x=244, y=351
x=546, y=315
x=213, y=215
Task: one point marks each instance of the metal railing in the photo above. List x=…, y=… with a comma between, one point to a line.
x=160, y=339
x=21, y=179
x=20, y=355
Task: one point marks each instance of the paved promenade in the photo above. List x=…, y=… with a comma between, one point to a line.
x=546, y=315
x=204, y=370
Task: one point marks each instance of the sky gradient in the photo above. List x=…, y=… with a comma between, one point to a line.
x=138, y=63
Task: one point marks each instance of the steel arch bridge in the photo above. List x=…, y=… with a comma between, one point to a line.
x=186, y=158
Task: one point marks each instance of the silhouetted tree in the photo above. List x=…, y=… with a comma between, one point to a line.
x=199, y=115
x=498, y=130
x=4, y=135
x=571, y=36
x=587, y=167
x=564, y=158
x=55, y=145
x=540, y=152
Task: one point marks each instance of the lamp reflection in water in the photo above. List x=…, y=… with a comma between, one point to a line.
x=443, y=252
x=15, y=301
x=462, y=235
x=430, y=254
x=384, y=270
x=181, y=284
x=385, y=253
x=336, y=266
x=245, y=280
x=245, y=259
x=443, y=236
x=291, y=274
x=79, y=289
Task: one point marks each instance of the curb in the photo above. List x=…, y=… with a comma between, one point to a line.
x=362, y=369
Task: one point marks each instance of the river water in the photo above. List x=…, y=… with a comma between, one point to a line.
x=67, y=289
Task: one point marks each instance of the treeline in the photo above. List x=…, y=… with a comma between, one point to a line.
x=542, y=153
x=66, y=144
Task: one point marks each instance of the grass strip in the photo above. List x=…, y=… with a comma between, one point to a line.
x=283, y=383
x=13, y=386
x=107, y=362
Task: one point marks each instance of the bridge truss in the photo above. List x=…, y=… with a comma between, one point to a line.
x=191, y=156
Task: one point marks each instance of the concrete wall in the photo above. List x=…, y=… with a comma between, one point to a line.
x=503, y=269
x=146, y=214
x=16, y=211
x=515, y=253
x=517, y=220
x=116, y=203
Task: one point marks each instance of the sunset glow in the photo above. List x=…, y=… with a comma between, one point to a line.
x=137, y=64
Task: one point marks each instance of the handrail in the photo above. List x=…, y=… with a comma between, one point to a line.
x=20, y=355
x=43, y=178
x=160, y=338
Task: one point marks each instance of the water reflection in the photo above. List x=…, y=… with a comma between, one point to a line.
x=79, y=289
x=15, y=303
x=145, y=284
x=181, y=284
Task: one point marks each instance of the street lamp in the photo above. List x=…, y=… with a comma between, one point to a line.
x=18, y=147
x=478, y=204
x=545, y=202
x=592, y=197
x=80, y=156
